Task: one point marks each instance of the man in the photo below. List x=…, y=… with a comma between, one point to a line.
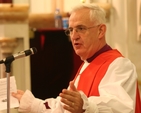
x=105, y=83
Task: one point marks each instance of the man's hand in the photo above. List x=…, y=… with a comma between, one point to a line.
x=18, y=95
x=72, y=99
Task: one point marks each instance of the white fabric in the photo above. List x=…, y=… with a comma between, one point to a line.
x=117, y=93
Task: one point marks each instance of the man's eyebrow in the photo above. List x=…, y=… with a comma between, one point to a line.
x=80, y=26
x=77, y=26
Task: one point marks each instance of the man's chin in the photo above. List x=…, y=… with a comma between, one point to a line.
x=79, y=53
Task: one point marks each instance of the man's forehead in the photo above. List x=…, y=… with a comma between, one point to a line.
x=79, y=19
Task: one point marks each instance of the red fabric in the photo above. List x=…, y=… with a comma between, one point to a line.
x=42, y=39
x=46, y=104
x=89, y=84
x=138, y=101
x=95, y=72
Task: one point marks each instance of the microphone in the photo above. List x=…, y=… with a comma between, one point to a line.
x=18, y=55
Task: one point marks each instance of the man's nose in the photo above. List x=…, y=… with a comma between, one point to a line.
x=74, y=33
x=75, y=36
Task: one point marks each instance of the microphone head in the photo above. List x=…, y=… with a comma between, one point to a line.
x=34, y=50
x=31, y=51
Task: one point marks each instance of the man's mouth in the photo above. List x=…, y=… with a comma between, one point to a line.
x=76, y=44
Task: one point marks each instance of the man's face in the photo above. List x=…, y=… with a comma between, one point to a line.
x=85, y=40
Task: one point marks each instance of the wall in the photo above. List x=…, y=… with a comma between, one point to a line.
x=123, y=29
x=134, y=48
x=21, y=1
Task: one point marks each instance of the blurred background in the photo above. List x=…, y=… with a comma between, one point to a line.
x=31, y=23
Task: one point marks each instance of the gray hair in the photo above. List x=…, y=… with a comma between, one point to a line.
x=97, y=14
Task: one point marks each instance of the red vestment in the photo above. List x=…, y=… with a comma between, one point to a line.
x=93, y=74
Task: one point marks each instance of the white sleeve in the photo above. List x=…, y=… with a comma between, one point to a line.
x=117, y=90
x=29, y=103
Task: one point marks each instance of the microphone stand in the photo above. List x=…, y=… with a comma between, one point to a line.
x=8, y=66
x=7, y=63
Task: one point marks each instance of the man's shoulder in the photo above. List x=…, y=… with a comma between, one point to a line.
x=111, y=54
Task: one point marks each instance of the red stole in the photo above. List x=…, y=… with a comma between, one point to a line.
x=93, y=74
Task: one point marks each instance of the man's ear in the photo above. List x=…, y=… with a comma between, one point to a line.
x=102, y=30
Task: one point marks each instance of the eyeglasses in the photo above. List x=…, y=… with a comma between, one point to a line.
x=79, y=29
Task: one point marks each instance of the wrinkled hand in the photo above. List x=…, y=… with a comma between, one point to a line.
x=72, y=99
x=18, y=95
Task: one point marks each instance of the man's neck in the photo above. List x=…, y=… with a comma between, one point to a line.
x=103, y=49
